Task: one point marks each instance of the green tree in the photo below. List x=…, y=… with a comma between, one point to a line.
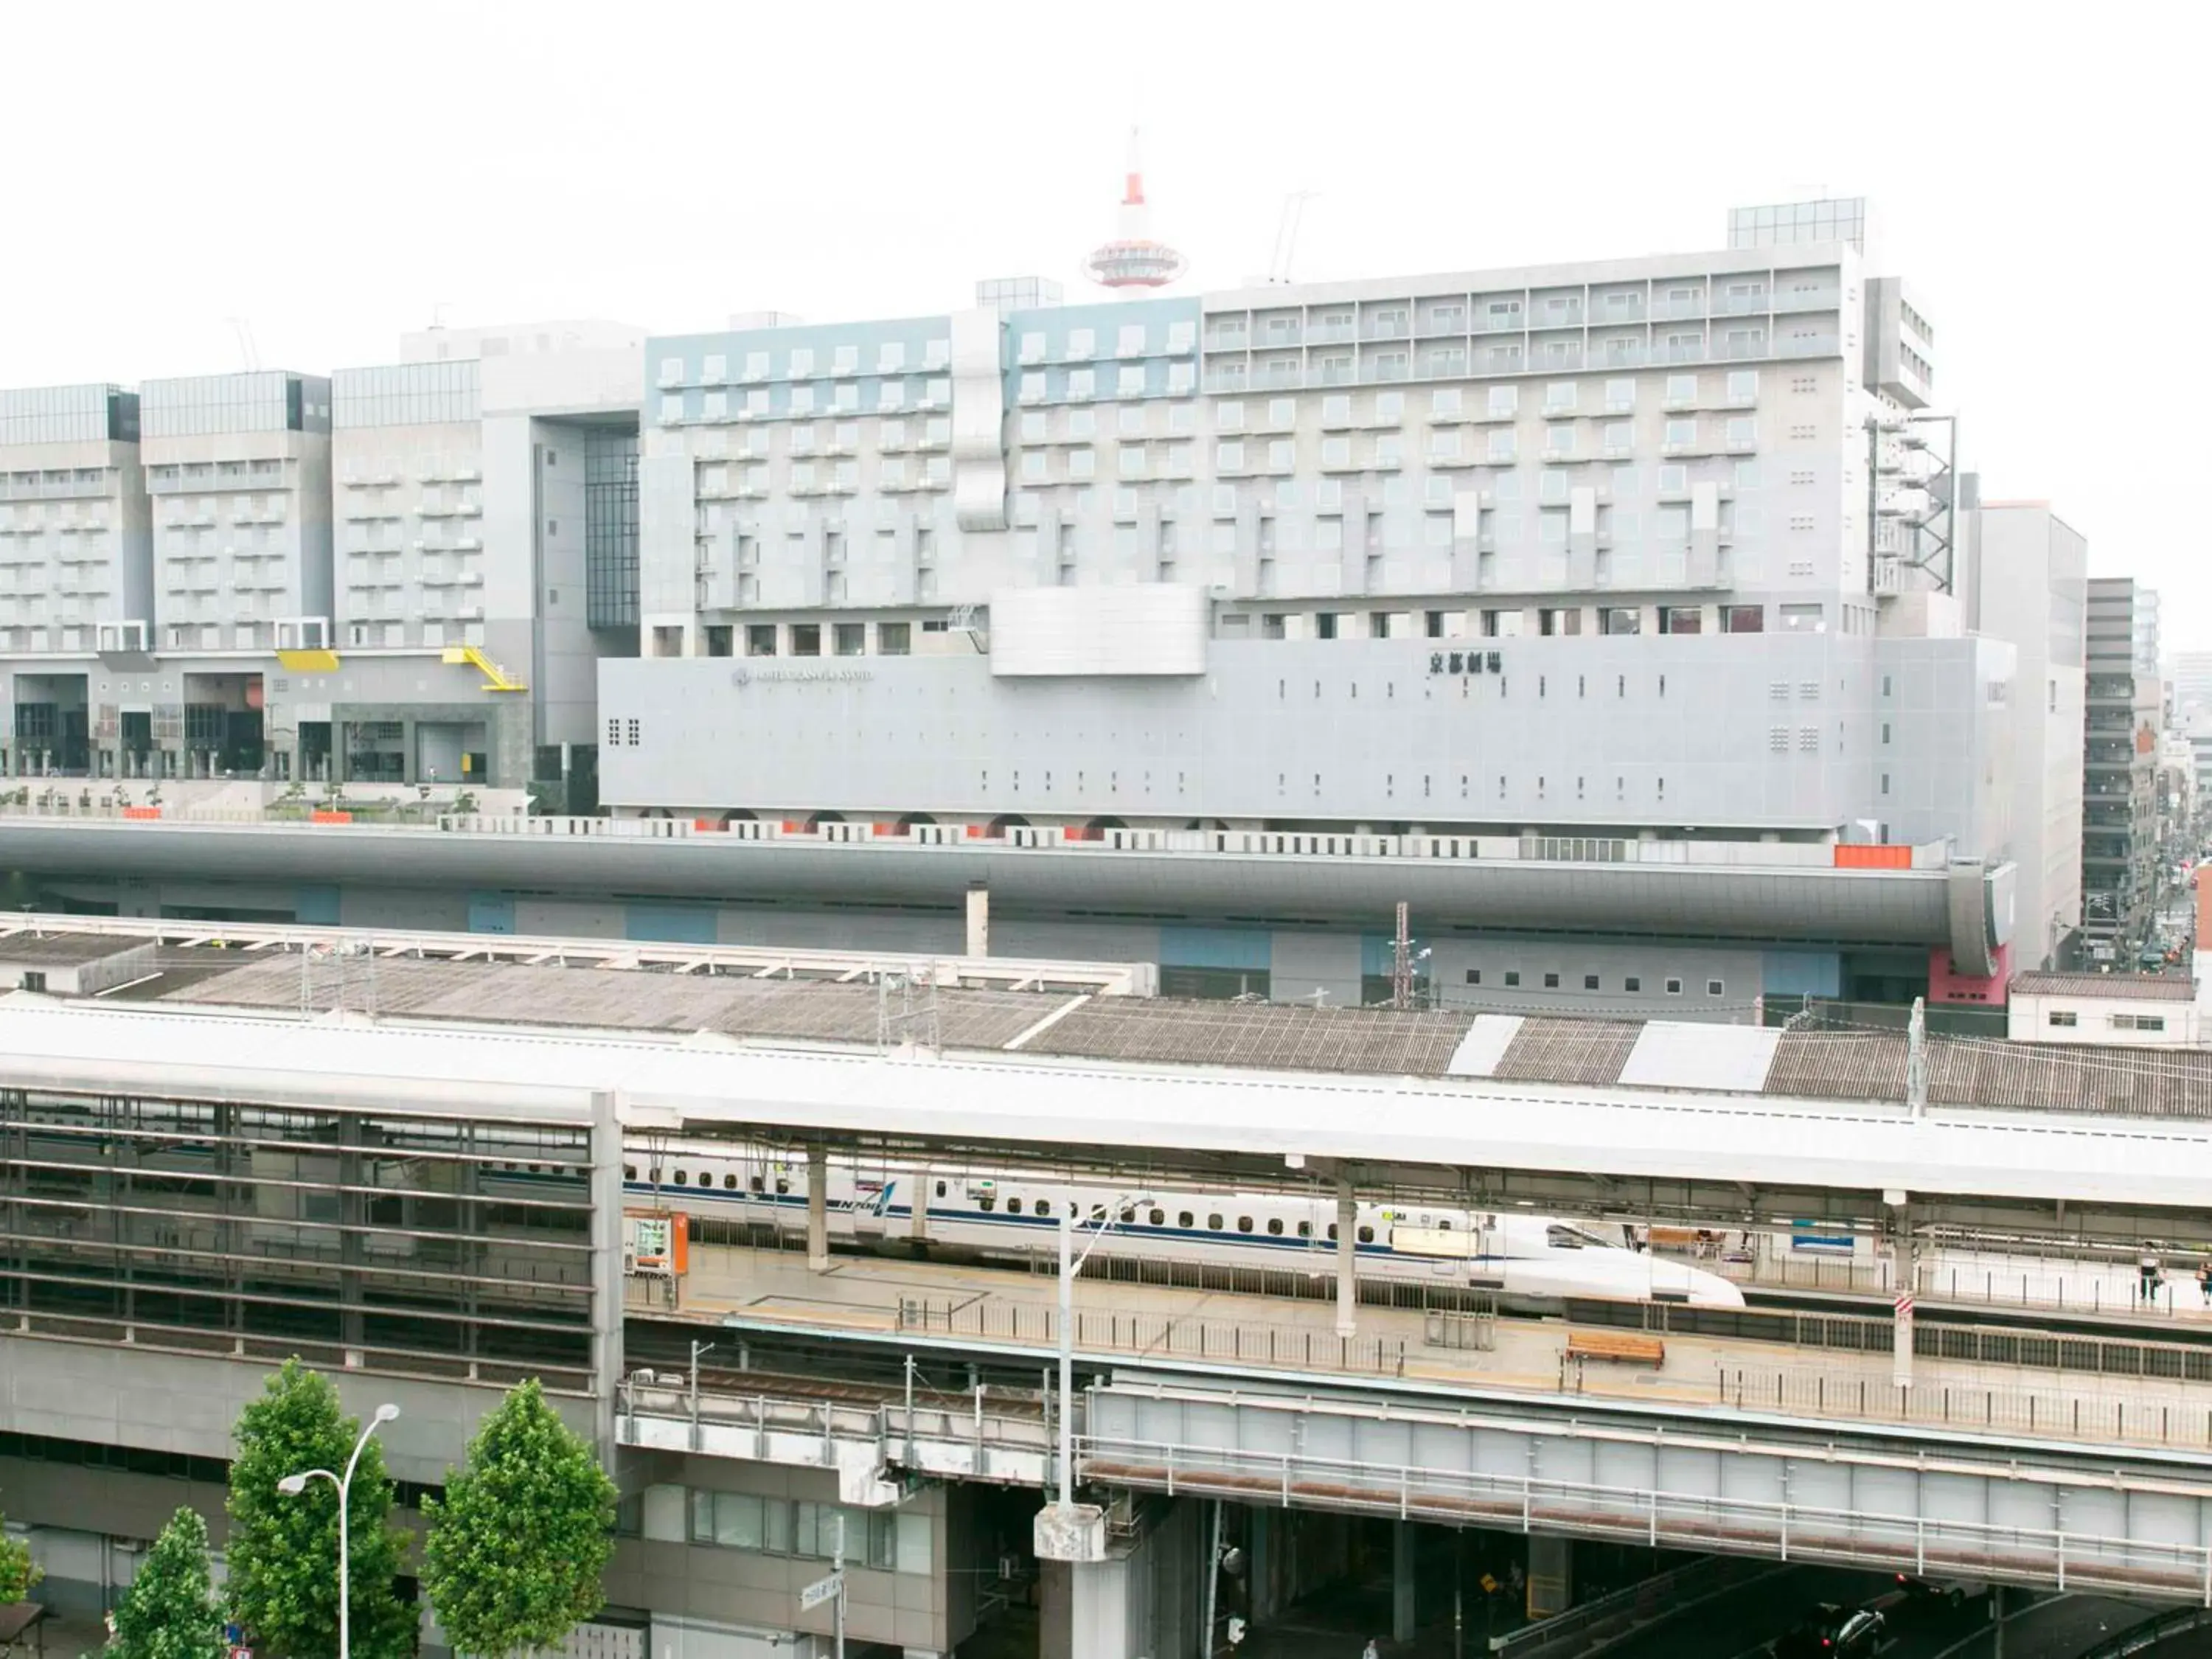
x=517, y=1547
x=18, y=1572
x=282, y=1549
x=170, y=1610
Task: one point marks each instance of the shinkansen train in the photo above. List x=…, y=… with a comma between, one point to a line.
x=1521, y=1256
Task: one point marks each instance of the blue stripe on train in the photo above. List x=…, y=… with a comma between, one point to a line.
x=899, y=1211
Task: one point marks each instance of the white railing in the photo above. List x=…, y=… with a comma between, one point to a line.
x=1462, y=848
x=1920, y=1545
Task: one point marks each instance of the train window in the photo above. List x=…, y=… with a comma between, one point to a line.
x=1243, y=1223
x=1443, y=1224
x=681, y=1177
x=987, y=1200
x=1563, y=1238
x=1013, y=1207
x=629, y=1172
x=1332, y=1232
x=729, y=1183
x=653, y=1174
x=1098, y=1213
x=1159, y=1218
x=706, y=1178
x=940, y=1189
x=1184, y=1219
x=1213, y=1222
x=1043, y=1207
x=1366, y=1235
x=1275, y=1225
x=783, y=1184
x=1305, y=1229
x=757, y=1183
x=1128, y=1216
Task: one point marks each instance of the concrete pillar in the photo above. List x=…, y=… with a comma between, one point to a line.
x=1908, y=1278
x=918, y=1204
x=606, y=1271
x=1347, y=1260
x=1550, y=1575
x=818, y=1208
x=1259, y=1560
x=979, y=919
x=1402, y=1582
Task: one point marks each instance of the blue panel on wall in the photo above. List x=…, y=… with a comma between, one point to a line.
x=316, y=907
x=1801, y=973
x=674, y=924
x=1216, y=947
x=491, y=913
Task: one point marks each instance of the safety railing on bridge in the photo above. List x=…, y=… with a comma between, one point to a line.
x=1922, y=1544
x=2104, y=1417
x=1153, y=1336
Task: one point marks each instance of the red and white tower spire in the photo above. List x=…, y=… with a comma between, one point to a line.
x=1132, y=258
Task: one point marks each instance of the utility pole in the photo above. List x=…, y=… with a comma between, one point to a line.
x=1401, y=964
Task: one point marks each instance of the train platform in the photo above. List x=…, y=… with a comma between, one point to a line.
x=2008, y=1386
x=2076, y=1288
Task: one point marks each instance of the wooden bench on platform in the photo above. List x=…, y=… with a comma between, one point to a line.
x=1623, y=1348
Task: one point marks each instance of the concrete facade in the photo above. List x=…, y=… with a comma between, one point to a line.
x=2026, y=583
x=2120, y=830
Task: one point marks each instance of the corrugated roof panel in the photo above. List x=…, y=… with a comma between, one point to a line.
x=1277, y=1037
x=1484, y=1045
x=1678, y=1054
x=1828, y=1065
x=1584, y=1051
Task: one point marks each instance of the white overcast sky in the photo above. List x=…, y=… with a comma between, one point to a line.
x=333, y=174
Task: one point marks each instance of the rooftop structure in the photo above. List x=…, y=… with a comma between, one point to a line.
x=1132, y=258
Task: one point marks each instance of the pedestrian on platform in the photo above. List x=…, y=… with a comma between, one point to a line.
x=2147, y=1272
x=1370, y=1651
x=2204, y=1283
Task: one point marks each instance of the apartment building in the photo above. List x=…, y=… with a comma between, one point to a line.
x=2119, y=828
x=2028, y=572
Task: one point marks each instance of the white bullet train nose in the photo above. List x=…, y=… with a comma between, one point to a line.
x=1678, y=1281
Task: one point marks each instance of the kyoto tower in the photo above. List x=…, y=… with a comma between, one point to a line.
x=1132, y=258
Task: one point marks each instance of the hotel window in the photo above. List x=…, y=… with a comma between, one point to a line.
x=1082, y=383
x=2065, y=1018
x=891, y=357
x=845, y=360
x=1389, y=408
x=1130, y=381
x=1444, y=403
x=1680, y=435
x=802, y=361
x=1620, y=438
x=1032, y=348
x=1620, y=397
x=1504, y=400
x=1130, y=342
x=1558, y=397
x=1229, y=417
x=1082, y=343
x=1502, y=447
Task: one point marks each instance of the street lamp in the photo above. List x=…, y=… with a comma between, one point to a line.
x=293, y=1485
x=1069, y=1265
